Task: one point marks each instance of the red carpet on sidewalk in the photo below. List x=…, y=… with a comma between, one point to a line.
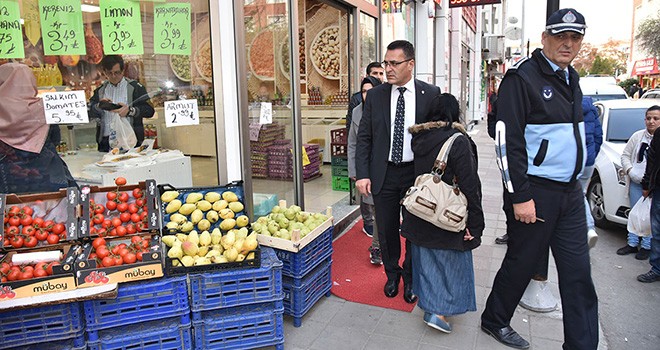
x=355, y=278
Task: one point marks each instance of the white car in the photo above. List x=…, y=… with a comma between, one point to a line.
x=607, y=192
x=599, y=90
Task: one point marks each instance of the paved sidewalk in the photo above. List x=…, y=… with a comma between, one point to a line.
x=334, y=323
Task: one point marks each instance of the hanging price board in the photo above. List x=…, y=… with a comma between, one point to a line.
x=122, y=27
x=11, y=35
x=65, y=107
x=181, y=112
x=62, y=27
x=172, y=28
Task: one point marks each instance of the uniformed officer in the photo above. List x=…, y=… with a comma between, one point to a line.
x=541, y=152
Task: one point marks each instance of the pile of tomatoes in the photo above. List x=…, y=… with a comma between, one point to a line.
x=123, y=213
x=10, y=272
x=108, y=254
x=21, y=230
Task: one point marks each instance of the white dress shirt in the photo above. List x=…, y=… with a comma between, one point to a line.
x=117, y=94
x=409, y=115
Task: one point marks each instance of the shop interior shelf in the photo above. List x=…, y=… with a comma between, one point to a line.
x=300, y=294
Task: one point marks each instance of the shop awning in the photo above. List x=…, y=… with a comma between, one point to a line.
x=646, y=66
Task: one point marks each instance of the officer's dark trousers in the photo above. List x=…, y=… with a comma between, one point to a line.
x=565, y=232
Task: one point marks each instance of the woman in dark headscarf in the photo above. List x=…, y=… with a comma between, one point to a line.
x=28, y=159
x=443, y=273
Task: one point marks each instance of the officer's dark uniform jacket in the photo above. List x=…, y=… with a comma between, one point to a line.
x=540, y=128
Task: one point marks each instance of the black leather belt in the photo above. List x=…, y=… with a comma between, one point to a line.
x=399, y=165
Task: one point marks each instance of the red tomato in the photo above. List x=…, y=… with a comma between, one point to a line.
x=48, y=225
x=92, y=256
x=101, y=231
x=28, y=230
x=97, y=242
x=14, y=210
x=139, y=226
x=123, y=197
x=123, y=251
x=121, y=231
x=4, y=268
x=99, y=209
x=26, y=220
x=140, y=202
x=53, y=238
x=111, y=196
x=108, y=261
x=102, y=251
x=112, y=205
x=145, y=243
x=130, y=229
x=107, y=223
x=129, y=258
x=17, y=242
x=14, y=221
x=58, y=228
x=27, y=210
x=125, y=217
x=30, y=242
x=120, y=181
x=13, y=230
x=6, y=242
x=122, y=207
x=49, y=268
x=115, y=250
x=25, y=275
x=113, y=232
x=98, y=219
x=38, y=222
x=137, y=193
x=93, y=231
x=138, y=255
x=41, y=234
x=118, y=260
x=122, y=245
x=13, y=275
x=136, y=239
x=116, y=222
x=133, y=208
x=40, y=273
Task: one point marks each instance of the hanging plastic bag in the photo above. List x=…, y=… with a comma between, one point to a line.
x=122, y=135
x=639, y=219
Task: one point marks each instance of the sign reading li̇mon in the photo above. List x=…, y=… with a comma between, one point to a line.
x=65, y=107
x=172, y=28
x=62, y=27
x=11, y=35
x=121, y=27
x=181, y=112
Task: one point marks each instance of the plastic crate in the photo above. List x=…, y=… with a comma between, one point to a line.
x=338, y=149
x=340, y=171
x=339, y=161
x=341, y=183
x=223, y=289
x=298, y=264
x=339, y=136
x=154, y=335
x=243, y=327
x=78, y=342
x=139, y=302
x=40, y=324
x=300, y=294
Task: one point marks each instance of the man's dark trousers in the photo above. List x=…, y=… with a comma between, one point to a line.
x=565, y=231
x=398, y=180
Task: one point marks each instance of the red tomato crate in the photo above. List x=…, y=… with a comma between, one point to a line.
x=152, y=335
x=300, y=294
x=139, y=302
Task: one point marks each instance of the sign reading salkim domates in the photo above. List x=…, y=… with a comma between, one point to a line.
x=460, y=3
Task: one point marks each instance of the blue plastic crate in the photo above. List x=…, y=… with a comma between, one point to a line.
x=40, y=324
x=301, y=294
x=78, y=342
x=242, y=327
x=139, y=302
x=229, y=288
x=153, y=335
x=298, y=264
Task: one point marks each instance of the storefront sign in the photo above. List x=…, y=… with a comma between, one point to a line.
x=172, y=29
x=181, y=112
x=62, y=27
x=122, y=27
x=266, y=113
x=11, y=36
x=65, y=107
x=645, y=67
x=392, y=6
x=459, y=3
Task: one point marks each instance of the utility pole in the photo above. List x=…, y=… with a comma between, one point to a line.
x=553, y=6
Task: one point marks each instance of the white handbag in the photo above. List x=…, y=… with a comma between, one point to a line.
x=435, y=201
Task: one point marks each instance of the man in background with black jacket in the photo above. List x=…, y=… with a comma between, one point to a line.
x=374, y=69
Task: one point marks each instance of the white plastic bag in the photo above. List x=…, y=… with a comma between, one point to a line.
x=122, y=135
x=639, y=219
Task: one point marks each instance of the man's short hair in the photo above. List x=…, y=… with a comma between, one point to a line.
x=109, y=61
x=373, y=65
x=653, y=108
x=405, y=45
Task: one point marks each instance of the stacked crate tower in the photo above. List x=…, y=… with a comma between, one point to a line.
x=280, y=161
x=339, y=153
x=268, y=134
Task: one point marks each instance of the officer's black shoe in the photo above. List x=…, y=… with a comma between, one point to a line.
x=507, y=336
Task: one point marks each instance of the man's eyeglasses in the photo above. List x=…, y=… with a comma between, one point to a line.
x=113, y=73
x=394, y=63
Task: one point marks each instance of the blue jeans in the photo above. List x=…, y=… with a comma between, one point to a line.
x=635, y=193
x=655, y=231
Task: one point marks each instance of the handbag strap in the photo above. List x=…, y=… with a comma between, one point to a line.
x=441, y=160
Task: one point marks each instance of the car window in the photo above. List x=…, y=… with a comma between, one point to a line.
x=652, y=95
x=607, y=97
x=622, y=123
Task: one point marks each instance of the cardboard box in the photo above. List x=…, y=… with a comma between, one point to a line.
x=61, y=280
x=89, y=274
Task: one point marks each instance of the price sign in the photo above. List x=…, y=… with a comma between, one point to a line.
x=255, y=128
x=121, y=26
x=62, y=27
x=266, y=114
x=11, y=35
x=172, y=28
x=181, y=112
x=65, y=107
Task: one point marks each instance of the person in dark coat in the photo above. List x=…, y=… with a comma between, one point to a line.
x=650, y=188
x=443, y=273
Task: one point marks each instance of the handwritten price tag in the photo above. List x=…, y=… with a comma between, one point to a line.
x=266, y=113
x=172, y=28
x=11, y=36
x=65, y=107
x=121, y=27
x=62, y=27
x=181, y=112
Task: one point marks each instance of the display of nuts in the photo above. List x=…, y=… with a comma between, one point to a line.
x=325, y=52
x=301, y=49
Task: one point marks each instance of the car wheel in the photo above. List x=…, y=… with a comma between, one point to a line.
x=596, y=202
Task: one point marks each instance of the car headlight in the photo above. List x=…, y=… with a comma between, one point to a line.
x=620, y=174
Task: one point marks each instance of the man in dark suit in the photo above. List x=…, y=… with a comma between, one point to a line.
x=384, y=159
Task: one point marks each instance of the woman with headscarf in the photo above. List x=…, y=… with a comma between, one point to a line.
x=443, y=272
x=28, y=159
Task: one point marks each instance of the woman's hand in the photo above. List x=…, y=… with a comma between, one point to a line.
x=468, y=236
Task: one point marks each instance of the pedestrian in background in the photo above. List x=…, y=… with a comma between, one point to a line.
x=366, y=202
x=633, y=162
x=541, y=153
x=374, y=69
x=593, y=132
x=443, y=271
x=650, y=187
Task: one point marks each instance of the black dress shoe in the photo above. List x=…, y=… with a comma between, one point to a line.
x=504, y=239
x=507, y=336
x=408, y=295
x=391, y=288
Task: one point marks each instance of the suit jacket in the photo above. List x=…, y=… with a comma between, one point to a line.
x=374, y=140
